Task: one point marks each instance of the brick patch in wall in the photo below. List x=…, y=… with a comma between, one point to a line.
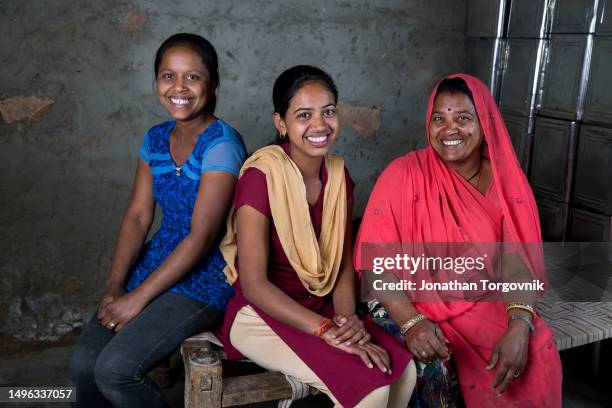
x=133, y=21
x=22, y=107
x=363, y=120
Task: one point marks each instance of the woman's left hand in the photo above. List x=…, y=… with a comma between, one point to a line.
x=371, y=355
x=121, y=310
x=510, y=355
x=350, y=330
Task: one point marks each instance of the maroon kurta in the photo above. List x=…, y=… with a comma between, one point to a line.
x=345, y=375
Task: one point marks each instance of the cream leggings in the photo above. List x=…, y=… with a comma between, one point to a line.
x=257, y=341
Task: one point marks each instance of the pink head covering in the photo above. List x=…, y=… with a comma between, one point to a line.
x=515, y=195
x=419, y=198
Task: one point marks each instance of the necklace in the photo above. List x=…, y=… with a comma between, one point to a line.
x=178, y=169
x=476, y=174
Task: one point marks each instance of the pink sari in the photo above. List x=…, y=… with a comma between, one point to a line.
x=418, y=198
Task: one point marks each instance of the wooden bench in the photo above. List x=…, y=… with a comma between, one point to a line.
x=573, y=324
x=205, y=386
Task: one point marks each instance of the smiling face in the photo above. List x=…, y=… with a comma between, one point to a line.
x=454, y=129
x=183, y=84
x=311, y=121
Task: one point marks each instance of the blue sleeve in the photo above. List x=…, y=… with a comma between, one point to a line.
x=226, y=156
x=145, y=149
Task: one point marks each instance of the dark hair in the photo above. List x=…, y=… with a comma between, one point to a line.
x=291, y=80
x=207, y=54
x=454, y=85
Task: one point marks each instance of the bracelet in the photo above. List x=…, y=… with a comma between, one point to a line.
x=523, y=318
x=522, y=306
x=324, y=326
x=408, y=325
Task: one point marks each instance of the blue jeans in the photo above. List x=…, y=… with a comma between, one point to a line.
x=111, y=369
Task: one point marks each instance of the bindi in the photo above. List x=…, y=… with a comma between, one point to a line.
x=449, y=109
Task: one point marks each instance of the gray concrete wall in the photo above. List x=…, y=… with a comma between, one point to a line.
x=76, y=95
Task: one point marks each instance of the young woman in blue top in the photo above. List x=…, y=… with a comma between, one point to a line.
x=172, y=287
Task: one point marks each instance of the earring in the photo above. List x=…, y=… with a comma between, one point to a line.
x=282, y=136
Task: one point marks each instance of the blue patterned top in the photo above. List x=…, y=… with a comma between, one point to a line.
x=175, y=189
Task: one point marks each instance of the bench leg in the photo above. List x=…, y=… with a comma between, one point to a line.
x=203, y=371
x=595, y=358
x=164, y=374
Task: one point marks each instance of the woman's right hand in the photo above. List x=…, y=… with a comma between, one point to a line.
x=350, y=330
x=109, y=296
x=426, y=341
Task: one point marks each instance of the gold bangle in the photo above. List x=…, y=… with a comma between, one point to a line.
x=408, y=325
x=522, y=306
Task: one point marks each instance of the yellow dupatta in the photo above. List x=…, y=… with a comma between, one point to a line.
x=316, y=262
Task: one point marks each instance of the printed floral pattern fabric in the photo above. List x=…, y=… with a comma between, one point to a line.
x=175, y=191
x=437, y=384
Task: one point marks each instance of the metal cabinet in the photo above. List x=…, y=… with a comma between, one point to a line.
x=552, y=163
x=593, y=178
x=574, y=16
x=551, y=78
x=589, y=227
x=553, y=219
x=566, y=76
x=485, y=58
x=598, y=102
x=530, y=18
x=604, y=18
x=521, y=76
x=521, y=130
x=485, y=18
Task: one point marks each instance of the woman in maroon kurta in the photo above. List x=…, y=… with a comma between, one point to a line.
x=277, y=318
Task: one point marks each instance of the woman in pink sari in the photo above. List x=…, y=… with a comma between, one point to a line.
x=467, y=186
